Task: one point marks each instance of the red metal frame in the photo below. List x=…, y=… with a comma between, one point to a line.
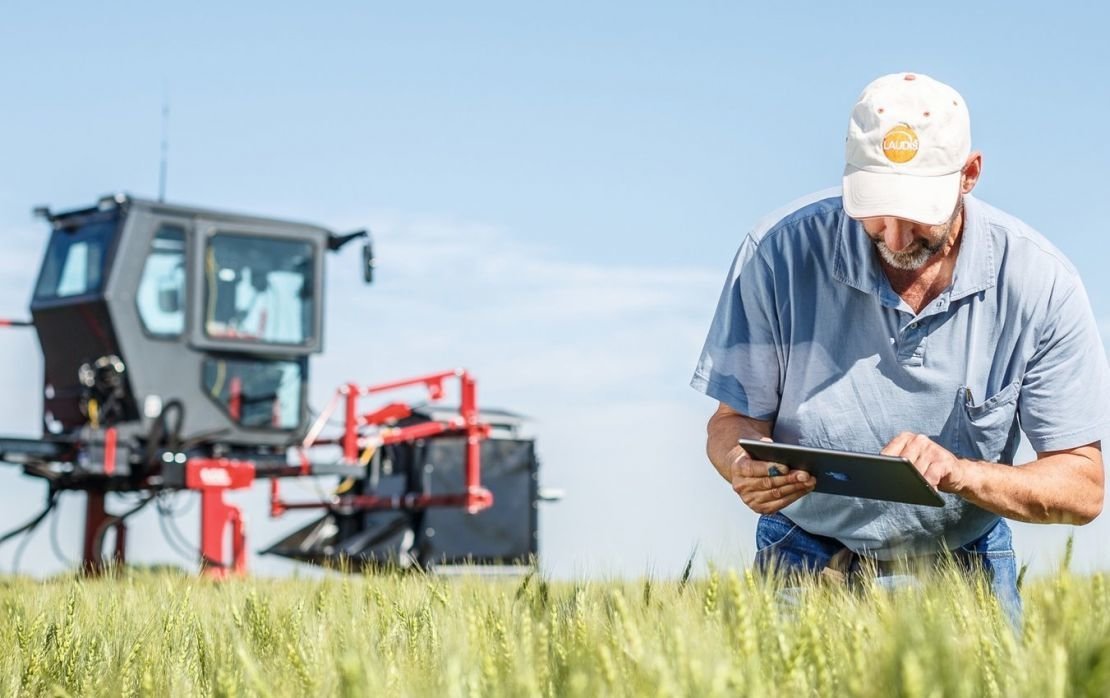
x=110, y=451
x=474, y=498
x=212, y=477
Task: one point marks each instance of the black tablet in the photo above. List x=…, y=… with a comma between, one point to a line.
x=851, y=474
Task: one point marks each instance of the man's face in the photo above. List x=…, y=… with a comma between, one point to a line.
x=908, y=245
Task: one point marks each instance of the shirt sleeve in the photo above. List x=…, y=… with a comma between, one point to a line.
x=1065, y=394
x=741, y=363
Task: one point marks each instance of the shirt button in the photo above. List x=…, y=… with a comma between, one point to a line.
x=913, y=325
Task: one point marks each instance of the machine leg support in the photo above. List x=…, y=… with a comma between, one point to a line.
x=216, y=516
x=97, y=524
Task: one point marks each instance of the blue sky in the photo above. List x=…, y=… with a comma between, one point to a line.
x=557, y=192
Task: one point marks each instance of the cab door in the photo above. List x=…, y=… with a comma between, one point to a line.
x=256, y=318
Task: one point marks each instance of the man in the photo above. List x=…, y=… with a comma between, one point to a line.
x=906, y=317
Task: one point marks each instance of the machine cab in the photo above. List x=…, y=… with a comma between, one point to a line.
x=141, y=304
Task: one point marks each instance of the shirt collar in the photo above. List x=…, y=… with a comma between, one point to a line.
x=856, y=264
x=976, y=268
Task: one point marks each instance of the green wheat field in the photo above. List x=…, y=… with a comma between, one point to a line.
x=726, y=633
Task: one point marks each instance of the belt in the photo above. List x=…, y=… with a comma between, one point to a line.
x=845, y=564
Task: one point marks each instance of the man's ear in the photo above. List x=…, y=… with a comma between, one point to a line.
x=970, y=174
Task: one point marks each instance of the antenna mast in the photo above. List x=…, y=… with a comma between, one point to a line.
x=165, y=148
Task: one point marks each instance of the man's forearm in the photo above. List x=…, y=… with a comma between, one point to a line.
x=724, y=428
x=1055, y=488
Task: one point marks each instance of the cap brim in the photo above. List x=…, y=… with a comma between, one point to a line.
x=927, y=200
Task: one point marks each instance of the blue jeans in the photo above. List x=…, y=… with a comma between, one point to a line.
x=781, y=542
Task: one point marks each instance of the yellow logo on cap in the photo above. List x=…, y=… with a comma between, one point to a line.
x=900, y=144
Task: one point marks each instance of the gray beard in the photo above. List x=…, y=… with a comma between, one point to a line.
x=906, y=260
x=910, y=260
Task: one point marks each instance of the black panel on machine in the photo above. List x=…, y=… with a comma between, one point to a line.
x=506, y=533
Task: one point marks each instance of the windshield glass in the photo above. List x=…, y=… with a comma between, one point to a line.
x=75, y=261
x=258, y=289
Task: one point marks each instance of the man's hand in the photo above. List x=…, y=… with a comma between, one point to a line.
x=763, y=491
x=940, y=467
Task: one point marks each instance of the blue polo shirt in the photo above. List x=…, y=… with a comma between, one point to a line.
x=809, y=333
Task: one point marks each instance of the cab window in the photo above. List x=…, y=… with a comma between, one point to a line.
x=76, y=259
x=161, y=296
x=258, y=289
x=254, y=393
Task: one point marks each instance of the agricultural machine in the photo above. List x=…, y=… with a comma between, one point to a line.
x=176, y=345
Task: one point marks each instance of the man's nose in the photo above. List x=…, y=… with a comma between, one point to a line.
x=897, y=234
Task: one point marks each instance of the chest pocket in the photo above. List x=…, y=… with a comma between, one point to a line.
x=989, y=427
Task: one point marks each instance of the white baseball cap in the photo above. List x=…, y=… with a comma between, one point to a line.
x=908, y=141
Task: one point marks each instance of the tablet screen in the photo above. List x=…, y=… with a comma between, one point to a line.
x=866, y=475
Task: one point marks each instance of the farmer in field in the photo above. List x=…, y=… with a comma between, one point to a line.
x=902, y=315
